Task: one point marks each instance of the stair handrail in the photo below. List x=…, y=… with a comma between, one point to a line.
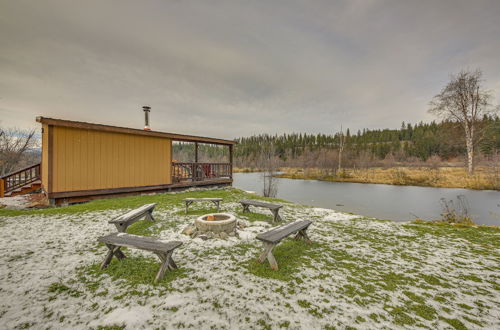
x=18, y=171
x=9, y=182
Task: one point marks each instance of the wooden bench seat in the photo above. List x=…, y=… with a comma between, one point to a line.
x=272, y=237
x=190, y=201
x=163, y=250
x=123, y=221
x=274, y=208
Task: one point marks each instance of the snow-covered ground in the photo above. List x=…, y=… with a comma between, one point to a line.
x=16, y=202
x=359, y=273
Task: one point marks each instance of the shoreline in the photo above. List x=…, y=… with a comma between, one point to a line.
x=442, y=177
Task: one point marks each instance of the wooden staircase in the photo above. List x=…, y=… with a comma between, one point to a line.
x=23, y=181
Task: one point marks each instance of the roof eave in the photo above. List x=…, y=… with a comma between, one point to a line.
x=126, y=130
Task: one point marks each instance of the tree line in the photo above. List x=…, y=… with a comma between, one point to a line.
x=409, y=143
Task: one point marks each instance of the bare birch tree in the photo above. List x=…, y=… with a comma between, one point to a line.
x=14, y=145
x=465, y=101
x=342, y=139
x=270, y=166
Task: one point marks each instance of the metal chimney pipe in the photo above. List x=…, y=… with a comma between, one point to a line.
x=146, y=110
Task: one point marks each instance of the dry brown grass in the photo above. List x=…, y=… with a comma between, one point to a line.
x=451, y=177
x=246, y=170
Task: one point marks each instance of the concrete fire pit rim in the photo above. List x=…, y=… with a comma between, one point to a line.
x=231, y=218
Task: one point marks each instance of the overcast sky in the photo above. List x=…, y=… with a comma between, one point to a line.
x=235, y=68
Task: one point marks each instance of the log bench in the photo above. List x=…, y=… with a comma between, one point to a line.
x=163, y=250
x=123, y=221
x=190, y=201
x=274, y=208
x=272, y=237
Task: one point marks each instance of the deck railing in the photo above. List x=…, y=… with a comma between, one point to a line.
x=200, y=171
x=19, y=178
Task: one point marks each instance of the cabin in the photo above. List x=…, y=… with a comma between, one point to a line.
x=84, y=161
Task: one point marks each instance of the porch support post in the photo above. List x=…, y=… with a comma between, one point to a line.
x=2, y=188
x=231, y=160
x=196, y=152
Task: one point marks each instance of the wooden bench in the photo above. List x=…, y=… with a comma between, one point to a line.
x=190, y=201
x=272, y=237
x=274, y=208
x=123, y=221
x=163, y=250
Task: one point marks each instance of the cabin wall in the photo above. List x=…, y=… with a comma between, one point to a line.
x=45, y=157
x=84, y=159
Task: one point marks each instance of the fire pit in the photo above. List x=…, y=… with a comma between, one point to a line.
x=216, y=223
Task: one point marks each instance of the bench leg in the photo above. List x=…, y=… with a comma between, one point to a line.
x=187, y=206
x=119, y=254
x=276, y=216
x=172, y=264
x=303, y=234
x=165, y=265
x=120, y=228
x=268, y=253
x=109, y=256
x=149, y=216
x=217, y=205
x=246, y=208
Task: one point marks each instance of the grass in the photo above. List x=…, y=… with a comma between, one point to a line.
x=252, y=217
x=451, y=177
x=60, y=288
x=421, y=274
x=291, y=256
x=483, y=236
x=164, y=201
x=134, y=271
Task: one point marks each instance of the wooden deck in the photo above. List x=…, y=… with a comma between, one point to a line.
x=185, y=175
x=71, y=197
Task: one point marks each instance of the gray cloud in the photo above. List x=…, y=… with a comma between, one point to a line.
x=233, y=68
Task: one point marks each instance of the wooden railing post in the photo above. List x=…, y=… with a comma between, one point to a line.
x=231, y=161
x=2, y=188
x=196, y=152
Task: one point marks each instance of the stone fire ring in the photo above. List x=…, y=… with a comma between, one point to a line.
x=224, y=222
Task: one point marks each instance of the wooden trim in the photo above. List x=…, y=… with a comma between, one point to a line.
x=196, y=152
x=170, y=162
x=2, y=188
x=231, y=159
x=125, y=130
x=82, y=193
x=50, y=158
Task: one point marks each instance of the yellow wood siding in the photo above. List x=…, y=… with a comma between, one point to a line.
x=88, y=160
x=45, y=157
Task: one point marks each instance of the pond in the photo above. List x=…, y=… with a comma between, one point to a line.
x=399, y=203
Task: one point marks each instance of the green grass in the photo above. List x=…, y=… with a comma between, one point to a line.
x=291, y=256
x=133, y=270
x=457, y=324
x=196, y=210
x=60, y=288
x=487, y=236
x=142, y=228
x=164, y=201
x=252, y=217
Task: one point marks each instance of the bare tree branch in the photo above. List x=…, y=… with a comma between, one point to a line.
x=464, y=101
x=14, y=147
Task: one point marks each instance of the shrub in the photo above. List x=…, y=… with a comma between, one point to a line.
x=456, y=212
